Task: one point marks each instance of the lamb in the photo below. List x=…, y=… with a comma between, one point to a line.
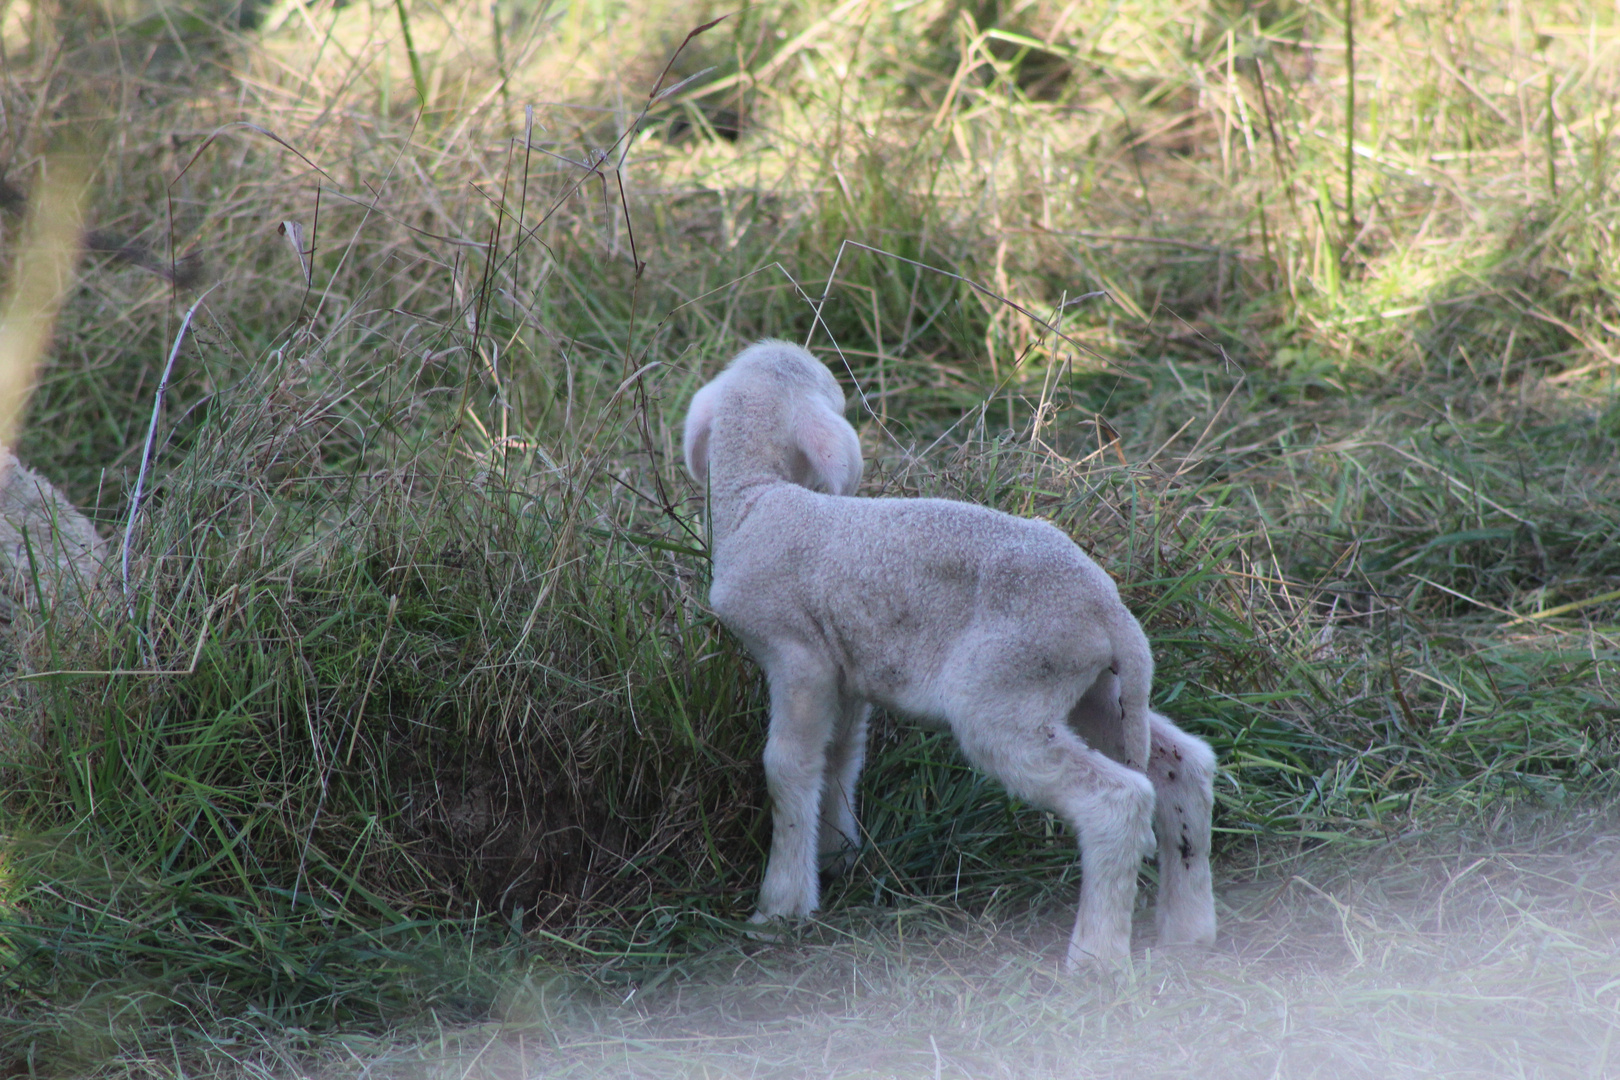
x=955, y=615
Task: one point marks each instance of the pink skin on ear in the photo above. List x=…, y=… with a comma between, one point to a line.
x=699, y=419
x=832, y=449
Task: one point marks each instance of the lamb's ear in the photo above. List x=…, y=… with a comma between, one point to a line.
x=699, y=419
x=831, y=449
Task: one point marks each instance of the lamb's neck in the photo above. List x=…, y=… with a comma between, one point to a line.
x=747, y=454
x=733, y=492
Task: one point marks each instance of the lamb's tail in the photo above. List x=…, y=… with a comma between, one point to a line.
x=1133, y=667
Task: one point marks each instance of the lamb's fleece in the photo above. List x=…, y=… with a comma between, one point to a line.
x=958, y=616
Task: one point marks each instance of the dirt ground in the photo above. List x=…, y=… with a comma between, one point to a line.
x=1485, y=952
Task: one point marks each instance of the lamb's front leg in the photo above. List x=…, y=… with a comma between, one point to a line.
x=804, y=715
x=840, y=830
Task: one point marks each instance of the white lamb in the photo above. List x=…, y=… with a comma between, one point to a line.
x=956, y=615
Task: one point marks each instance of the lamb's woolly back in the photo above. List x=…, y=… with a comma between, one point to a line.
x=783, y=421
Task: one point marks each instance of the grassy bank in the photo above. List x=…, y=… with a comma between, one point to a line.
x=409, y=692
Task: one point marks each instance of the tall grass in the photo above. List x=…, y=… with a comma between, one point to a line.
x=411, y=676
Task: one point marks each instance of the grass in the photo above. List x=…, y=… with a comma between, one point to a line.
x=410, y=700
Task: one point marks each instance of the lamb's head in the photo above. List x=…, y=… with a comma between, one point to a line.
x=776, y=412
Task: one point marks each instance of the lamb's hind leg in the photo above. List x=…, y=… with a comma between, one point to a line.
x=840, y=831
x=1108, y=805
x=1182, y=768
x=804, y=714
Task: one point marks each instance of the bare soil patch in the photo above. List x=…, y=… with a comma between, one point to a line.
x=1467, y=952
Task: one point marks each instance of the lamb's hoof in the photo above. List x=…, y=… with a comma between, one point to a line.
x=1188, y=935
x=1184, y=953
x=1082, y=960
x=766, y=928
